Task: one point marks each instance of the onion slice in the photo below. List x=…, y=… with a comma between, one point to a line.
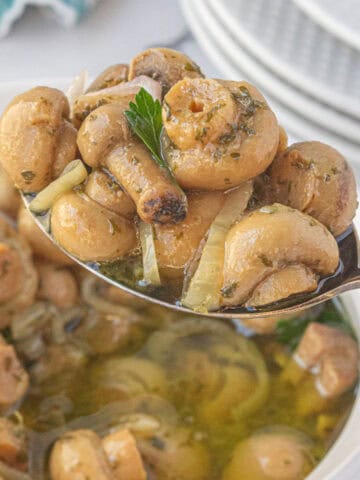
x=203, y=293
x=150, y=266
x=77, y=87
x=74, y=174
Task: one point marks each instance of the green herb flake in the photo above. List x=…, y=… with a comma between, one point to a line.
x=265, y=260
x=192, y=67
x=229, y=290
x=226, y=138
x=235, y=155
x=28, y=176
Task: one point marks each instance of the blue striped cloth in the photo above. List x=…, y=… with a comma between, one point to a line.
x=68, y=12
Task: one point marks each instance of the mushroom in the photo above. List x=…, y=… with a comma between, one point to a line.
x=290, y=280
x=123, y=455
x=266, y=241
x=79, y=455
x=37, y=140
x=105, y=140
x=317, y=180
x=57, y=285
x=164, y=65
x=89, y=231
x=9, y=197
x=332, y=355
x=172, y=454
x=18, y=277
x=14, y=381
x=274, y=453
x=105, y=190
x=13, y=445
x=41, y=246
x=110, y=77
x=176, y=244
x=217, y=134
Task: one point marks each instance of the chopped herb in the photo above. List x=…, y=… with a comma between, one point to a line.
x=247, y=129
x=201, y=133
x=28, y=176
x=334, y=170
x=327, y=177
x=211, y=113
x=144, y=117
x=289, y=186
x=192, y=67
x=235, y=155
x=229, y=290
x=265, y=260
x=226, y=138
x=157, y=443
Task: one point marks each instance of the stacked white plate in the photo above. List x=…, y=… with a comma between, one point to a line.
x=305, y=62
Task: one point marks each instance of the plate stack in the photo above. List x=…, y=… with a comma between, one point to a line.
x=304, y=55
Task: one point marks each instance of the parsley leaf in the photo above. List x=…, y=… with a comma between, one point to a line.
x=290, y=332
x=144, y=117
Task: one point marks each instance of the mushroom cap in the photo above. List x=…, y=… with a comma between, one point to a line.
x=57, y=285
x=110, y=77
x=269, y=239
x=89, y=231
x=164, y=65
x=316, y=179
x=31, y=131
x=101, y=131
x=237, y=139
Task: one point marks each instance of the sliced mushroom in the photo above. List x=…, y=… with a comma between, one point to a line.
x=89, y=231
x=123, y=456
x=275, y=453
x=18, y=276
x=37, y=141
x=225, y=130
x=105, y=190
x=164, y=65
x=105, y=140
x=317, y=180
x=176, y=244
x=79, y=455
x=41, y=246
x=57, y=285
x=332, y=354
x=14, y=381
x=110, y=77
x=290, y=280
x=268, y=240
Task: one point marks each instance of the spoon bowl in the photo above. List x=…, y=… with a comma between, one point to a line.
x=347, y=277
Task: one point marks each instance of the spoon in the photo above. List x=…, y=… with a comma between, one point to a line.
x=347, y=277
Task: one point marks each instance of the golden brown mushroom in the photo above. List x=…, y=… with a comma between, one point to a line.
x=105, y=190
x=176, y=244
x=41, y=246
x=218, y=133
x=164, y=65
x=317, y=180
x=110, y=77
x=89, y=231
x=57, y=285
x=269, y=239
x=79, y=455
x=105, y=140
x=36, y=139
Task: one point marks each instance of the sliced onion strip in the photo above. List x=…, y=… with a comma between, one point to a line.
x=150, y=266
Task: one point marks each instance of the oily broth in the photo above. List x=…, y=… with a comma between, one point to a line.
x=81, y=391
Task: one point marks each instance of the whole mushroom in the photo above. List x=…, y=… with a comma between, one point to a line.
x=105, y=140
x=316, y=179
x=225, y=130
x=36, y=139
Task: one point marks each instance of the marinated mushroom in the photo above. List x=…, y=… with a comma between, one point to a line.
x=123, y=455
x=164, y=65
x=223, y=129
x=89, y=231
x=105, y=140
x=275, y=453
x=175, y=455
x=40, y=245
x=262, y=243
x=13, y=445
x=110, y=77
x=105, y=190
x=79, y=455
x=332, y=355
x=14, y=380
x=36, y=139
x=316, y=179
x=57, y=284
x=175, y=245
x=18, y=277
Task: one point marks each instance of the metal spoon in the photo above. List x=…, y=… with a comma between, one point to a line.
x=347, y=277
